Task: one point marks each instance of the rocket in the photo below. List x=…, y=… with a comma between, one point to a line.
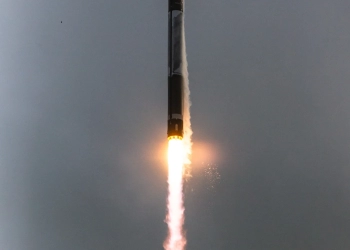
x=175, y=69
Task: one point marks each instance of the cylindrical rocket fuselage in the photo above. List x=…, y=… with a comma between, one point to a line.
x=175, y=69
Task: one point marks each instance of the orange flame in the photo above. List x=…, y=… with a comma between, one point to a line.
x=175, y=217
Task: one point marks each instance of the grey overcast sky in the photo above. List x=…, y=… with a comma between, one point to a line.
x=83, y=108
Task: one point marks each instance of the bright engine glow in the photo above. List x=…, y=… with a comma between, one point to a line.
x=175, y=217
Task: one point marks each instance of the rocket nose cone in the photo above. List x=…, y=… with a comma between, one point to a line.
x=175, y=5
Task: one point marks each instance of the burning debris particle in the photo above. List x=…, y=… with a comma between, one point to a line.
x=212, y=176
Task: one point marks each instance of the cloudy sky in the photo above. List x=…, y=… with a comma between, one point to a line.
x=83, y=107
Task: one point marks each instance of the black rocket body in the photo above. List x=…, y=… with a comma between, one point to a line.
x=175, y=69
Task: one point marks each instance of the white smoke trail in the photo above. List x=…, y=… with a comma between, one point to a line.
x=187, y=104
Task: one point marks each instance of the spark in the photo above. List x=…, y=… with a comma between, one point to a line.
x=212, y=176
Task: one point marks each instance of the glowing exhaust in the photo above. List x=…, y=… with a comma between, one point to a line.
x=175, y=217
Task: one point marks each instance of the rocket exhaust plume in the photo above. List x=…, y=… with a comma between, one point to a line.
x=175, y=218
x=179, y=127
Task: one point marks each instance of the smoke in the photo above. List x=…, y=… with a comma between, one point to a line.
x=187, y=139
